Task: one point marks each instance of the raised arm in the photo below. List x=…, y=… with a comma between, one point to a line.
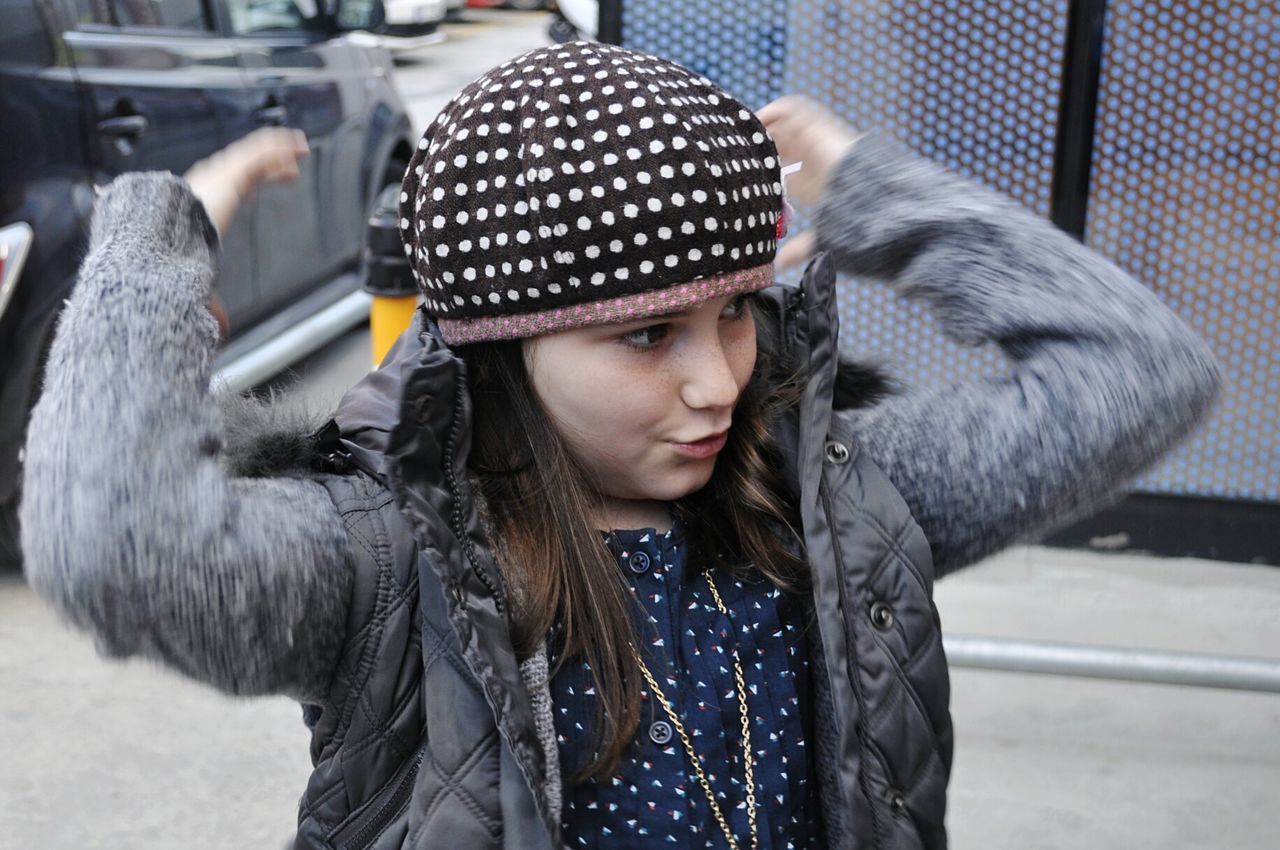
x=1104, y=377
x=129, y=526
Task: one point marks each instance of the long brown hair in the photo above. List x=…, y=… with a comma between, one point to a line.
x=564, y=574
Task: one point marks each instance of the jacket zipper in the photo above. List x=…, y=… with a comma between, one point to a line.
x=456, y=518
x=390, y=809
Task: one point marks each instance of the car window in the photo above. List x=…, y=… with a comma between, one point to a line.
x=251, y=16
x=163, y=14
x=24, y=38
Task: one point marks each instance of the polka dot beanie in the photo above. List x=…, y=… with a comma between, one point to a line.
x=585, y=183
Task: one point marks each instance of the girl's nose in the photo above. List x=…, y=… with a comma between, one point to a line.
x=709, y=382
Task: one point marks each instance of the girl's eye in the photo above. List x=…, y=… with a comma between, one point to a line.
x=737, y=308
x=646, y=337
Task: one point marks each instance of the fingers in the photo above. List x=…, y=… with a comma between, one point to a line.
x=785, y=119
x=270, y=154
x=795, y=250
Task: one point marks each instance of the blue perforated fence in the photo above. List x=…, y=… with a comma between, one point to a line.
x=1176, y=157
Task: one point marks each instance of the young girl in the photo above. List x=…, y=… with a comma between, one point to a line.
x=614, y=550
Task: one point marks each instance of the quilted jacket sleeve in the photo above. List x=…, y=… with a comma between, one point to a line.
x=129, y=525
x=1103, y=379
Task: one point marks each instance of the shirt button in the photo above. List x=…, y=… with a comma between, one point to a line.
x=660, y=732
x=639, y=563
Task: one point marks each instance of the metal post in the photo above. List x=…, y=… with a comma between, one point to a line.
x=1120, y=664
x=609, y=26
x=1073, y=152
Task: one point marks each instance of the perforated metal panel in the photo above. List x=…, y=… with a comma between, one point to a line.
x=976, y=85
x=1185, y=194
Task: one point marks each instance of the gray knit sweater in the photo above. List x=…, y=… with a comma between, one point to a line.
x=135, y=531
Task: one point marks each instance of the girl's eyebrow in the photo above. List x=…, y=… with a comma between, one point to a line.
x=657, y=317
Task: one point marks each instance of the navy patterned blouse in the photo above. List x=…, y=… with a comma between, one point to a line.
x=655, y=798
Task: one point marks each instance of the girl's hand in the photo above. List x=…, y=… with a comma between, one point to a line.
x=805, y=132
x=230, y=175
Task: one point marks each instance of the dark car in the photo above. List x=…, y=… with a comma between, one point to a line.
x=93, y=88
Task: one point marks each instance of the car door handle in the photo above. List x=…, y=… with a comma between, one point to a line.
x=276, y=116
x=124, y=126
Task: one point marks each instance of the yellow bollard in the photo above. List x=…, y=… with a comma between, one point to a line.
x=385, y=274
x=389, y=316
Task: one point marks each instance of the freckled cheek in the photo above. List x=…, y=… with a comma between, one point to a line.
x=741, y=352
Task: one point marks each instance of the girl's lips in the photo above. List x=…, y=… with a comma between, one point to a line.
x=704, y=448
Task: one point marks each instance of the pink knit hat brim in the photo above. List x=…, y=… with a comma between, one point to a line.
x=626, y=308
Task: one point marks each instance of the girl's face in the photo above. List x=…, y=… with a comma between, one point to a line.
x=646, y=406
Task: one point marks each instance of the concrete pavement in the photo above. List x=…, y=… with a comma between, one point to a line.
x=124, y=755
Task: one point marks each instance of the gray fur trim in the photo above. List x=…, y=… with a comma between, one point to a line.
x=536, y=673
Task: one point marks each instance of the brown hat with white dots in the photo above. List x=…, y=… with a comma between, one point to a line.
x=585, y=183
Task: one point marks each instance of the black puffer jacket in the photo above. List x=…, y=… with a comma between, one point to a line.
x=462, y=745
x=145, y=523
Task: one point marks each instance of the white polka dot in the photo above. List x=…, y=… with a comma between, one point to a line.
x=597, y=278
x=464, y=246
x=469, y=273
x=526, y=265
x=621, y=274
x=654, y=205
x=591, y=251
x=575, y=194
x=677, y=199
x=584, y=223
x=437, y=222
x=694, y=255
x=616, y=246
x=553, y=200
x=523, y=236
x=442, y=250
x=664, y=232
x=459, y=160
x=461, y=218
x=687, y=228
x=640, y=239
x=656, y=146
x=630, y=210
x=597, y=191
x=671, y=260
x=646, y=266
x=607, y=217
x=513, y=295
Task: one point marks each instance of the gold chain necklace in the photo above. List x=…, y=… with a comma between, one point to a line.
x=741, y=688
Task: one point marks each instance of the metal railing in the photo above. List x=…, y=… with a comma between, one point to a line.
x=1117, y=663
